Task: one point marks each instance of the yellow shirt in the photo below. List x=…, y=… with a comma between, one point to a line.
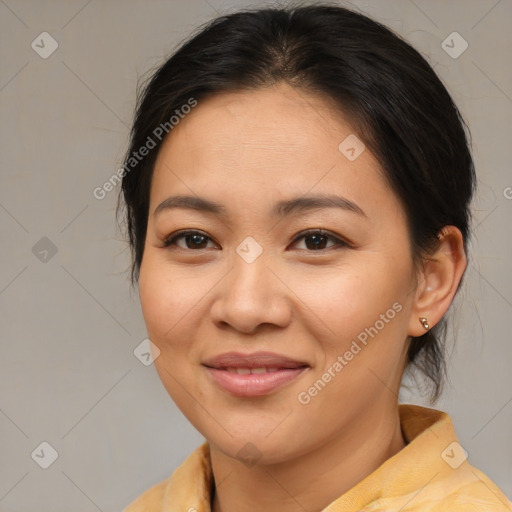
x=430, y=474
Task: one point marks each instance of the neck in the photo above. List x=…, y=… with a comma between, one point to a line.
x=332, y=469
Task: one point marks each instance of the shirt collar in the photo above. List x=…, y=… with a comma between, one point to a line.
x=428, y=431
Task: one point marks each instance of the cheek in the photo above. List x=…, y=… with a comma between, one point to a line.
x=168, y=309
x=362, y=351
x=364, y=320
x=352, y=298
x=168, y=299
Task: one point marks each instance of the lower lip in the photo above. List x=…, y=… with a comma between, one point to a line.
x=254, y=384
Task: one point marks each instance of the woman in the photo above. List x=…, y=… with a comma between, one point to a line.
x=297, y=192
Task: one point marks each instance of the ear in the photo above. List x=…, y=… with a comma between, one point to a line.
x=438, y=281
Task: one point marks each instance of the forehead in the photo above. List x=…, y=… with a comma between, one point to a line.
x=275, y=118
x=269, y=141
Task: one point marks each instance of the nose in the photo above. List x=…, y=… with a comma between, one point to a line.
x=250, y=296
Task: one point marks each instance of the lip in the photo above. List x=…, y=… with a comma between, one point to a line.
x=253, y=360
x=284, y=370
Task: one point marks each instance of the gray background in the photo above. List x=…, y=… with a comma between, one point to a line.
x=69, y=321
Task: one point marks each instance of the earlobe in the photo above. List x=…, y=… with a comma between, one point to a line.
x=439, y=280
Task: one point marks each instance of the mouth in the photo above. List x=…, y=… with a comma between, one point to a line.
x=253, y=375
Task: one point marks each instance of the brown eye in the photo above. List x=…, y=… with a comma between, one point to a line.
x=314, y=240
x=317, y=240
x=191, y=240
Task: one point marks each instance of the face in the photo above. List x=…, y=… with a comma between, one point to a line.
x=280, y=302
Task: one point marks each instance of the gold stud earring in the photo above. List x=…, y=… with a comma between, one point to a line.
x=424, y=322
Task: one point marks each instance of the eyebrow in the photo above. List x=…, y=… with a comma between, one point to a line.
x=281, y=209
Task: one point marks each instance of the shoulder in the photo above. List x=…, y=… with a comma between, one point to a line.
x=474, y=491
x=465, y=490
x=433, y=472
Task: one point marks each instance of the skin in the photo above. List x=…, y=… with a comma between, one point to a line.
x=248, y=150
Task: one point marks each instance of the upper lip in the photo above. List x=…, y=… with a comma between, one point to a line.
x=253, y=360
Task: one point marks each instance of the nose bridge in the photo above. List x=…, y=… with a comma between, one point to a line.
x=251, y=294
x=249, y=279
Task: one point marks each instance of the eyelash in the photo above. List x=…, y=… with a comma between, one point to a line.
x=183, y=233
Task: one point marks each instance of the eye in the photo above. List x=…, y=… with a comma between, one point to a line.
x=316, y=240
x=192, y=239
